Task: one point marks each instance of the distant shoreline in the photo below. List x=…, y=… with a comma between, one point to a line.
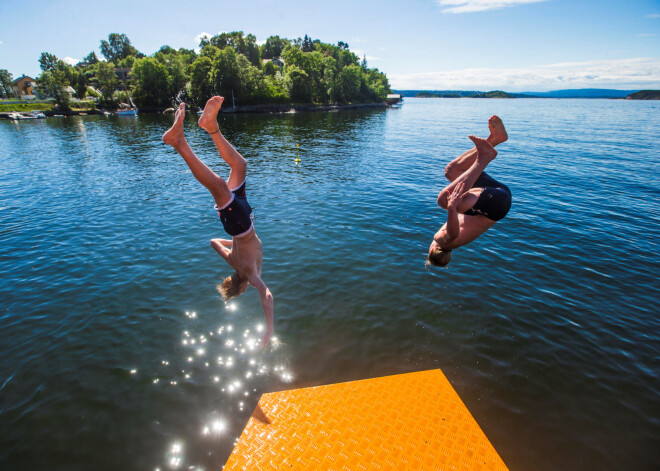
x=257, y=109
x=586, y=93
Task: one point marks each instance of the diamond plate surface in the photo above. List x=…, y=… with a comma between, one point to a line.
x=410, y=421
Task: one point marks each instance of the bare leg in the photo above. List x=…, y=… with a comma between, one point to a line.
x=459, y=165
x=485, y=153
x=209, y=122
x=175, y=137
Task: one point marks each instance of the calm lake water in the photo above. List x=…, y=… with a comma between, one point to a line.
x=117, y=352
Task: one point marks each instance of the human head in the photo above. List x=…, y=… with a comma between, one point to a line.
x=437, y=256
x=232, y=286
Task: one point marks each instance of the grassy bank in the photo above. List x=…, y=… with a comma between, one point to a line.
x=27, y=106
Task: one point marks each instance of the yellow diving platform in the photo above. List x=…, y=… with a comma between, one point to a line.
x=412, y=421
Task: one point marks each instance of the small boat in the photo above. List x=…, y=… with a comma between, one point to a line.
x=127, y=112
x=37, y=114
x=127, y=109
x=15, y=116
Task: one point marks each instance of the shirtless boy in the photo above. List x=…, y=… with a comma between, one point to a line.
x=474, y=201
x=244, y=251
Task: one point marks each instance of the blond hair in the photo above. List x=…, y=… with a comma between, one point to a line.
x=231, y=286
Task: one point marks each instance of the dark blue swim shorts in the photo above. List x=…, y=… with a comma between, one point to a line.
x=235, y=215
x=494, y=201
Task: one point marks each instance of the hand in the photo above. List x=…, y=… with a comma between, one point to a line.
x=456, y=195
x=265, y=339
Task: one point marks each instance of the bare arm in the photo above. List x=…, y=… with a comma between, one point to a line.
x=220, y=246
x=267, y=305
x=452, y=228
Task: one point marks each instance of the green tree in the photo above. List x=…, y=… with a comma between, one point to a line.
x=117, y=47
x=152, y=83
x=298, y=85
x=48, y=61
x=6, y=79
x=307, y=44
x=246, y=45
x=349, y=82
x=269, y=69
x=53, y=84
x=88, y=60
x=107, y=82
x=273, y=47
x=201, y=88
x=224, y=72
x=81, y=86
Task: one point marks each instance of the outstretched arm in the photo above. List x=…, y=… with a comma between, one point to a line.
x=267, y=305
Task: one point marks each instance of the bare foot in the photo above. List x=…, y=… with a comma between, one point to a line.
x=209, y=119
x=484, y=148
x=174, y=135
x=498, y=134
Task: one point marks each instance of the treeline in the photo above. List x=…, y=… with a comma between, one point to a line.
x=228, y=64
x=462, y=94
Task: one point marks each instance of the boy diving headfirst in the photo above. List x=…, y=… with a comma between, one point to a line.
x=244, y=251
x=474, y=201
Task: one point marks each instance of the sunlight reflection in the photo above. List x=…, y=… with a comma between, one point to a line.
x=228, y=359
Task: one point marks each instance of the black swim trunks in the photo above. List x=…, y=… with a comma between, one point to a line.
x=494, y=201
x=235, y=215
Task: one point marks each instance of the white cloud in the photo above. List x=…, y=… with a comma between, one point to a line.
x=471, y=6
x=646, y=35
x=199, y=37
x=653, y=15
x=642, y=73
x=71, y=60
x=1, y=43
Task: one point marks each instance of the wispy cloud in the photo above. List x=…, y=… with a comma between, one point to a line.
x=1, y=43
x=626, y=73
x=360, y=53
x=653, y=15
x=471, y=6
x=646, y=35
x=71, y=60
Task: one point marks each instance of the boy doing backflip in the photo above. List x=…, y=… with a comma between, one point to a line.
x=244, y=251
x=474, y=201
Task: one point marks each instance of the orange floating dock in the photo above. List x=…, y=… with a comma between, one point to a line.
x=412, y=421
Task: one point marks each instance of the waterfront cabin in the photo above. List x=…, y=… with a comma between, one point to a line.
x=24, y=87
x=394, y=98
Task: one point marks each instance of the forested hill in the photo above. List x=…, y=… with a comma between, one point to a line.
x=577, y=93
x=279, y=71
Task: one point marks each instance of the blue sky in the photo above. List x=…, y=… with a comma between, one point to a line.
x=511, y=45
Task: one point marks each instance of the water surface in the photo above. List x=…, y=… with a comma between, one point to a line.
x=119, y=354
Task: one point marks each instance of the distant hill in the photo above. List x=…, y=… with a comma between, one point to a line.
x=573, y=93
x=644, y=95
x=458, y=94
x=583, y=93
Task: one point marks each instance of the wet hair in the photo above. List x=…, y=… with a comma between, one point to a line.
x=439, y=258
x=231, y=286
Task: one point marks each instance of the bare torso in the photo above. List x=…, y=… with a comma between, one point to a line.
x=246, y=254
x=471, y=227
